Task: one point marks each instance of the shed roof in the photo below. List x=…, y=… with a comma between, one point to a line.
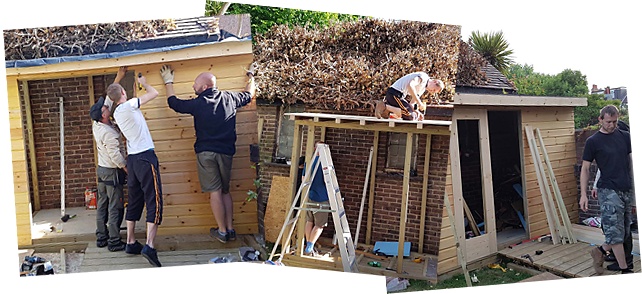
x=468, y=99
x=187, y=33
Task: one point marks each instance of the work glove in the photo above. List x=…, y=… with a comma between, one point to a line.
x=167, y=73
x=251, y=70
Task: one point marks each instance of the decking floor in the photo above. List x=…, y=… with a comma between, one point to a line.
x=568, y=260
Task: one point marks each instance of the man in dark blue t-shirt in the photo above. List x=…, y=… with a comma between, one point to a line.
x=215, y=125
x=316, y=221
x=611, y=149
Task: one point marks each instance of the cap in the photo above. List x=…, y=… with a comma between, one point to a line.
x=96, y=110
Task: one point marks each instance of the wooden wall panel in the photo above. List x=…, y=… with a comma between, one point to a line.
x=187, y=210
x=20, y=179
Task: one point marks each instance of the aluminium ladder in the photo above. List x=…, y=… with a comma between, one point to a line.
x=342, y=230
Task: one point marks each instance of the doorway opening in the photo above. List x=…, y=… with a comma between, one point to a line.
x=471, y=177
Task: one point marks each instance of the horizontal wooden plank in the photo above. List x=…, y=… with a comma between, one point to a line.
x=567, y=163
x=18, y=155
x=550, y=125
x=187, y=177
x=23, y=219
x=238, y=207
x=539, y=114
x=150, y=114
x=19, y=166
x=17, y=145
x=186, y=71
x=199, y=198
x=552, y=156
x=204, y=230
x=206, y=220
x=21, y=197
x=189, y=132
x=242, y=185
x=515, y=100
x=15, y=123
x=20, y=187
x=240, y=163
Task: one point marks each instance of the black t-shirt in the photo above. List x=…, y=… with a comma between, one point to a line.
x=611, y=152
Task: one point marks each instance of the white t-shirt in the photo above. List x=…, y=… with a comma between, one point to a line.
x=401, y=84
x=132, y=123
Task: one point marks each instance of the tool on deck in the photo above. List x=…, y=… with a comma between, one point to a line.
x=528, y=256
x=342, y=230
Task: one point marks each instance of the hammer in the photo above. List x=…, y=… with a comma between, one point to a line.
x=528, y=256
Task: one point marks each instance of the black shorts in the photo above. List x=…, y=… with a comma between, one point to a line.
x=144, y=184
x=396, y=99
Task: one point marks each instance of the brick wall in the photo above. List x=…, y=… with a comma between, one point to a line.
x=79, y=154
x=580, y=142
x=350, y=151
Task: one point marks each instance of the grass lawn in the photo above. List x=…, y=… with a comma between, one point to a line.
x=486, y=276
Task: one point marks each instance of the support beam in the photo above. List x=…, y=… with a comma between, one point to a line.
x=373, y=173
x=404, y=202
x=424, y=194
x=92, y=100
x=32, y=148
x=294, y=171
x=309, y=150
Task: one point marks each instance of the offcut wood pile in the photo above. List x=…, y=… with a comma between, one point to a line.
x=351, y=64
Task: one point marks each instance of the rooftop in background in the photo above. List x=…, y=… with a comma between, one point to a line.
x=495, y=83
x=182, y=33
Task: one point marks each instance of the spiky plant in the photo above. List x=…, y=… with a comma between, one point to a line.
x=494, y=48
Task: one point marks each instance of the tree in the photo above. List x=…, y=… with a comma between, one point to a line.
x=568, y=83
x=216, y=7
x=588, y=115
x=526, y=80
x=494, y=48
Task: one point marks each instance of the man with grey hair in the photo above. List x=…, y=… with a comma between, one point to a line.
x=214, y=115
x=611, y=149
x=413, y=85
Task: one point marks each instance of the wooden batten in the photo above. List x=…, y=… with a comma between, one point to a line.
x=424, y=193
x=515, y=100
x=32, y=147
x=373, y=173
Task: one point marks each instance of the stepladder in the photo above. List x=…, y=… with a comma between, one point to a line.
x=321, y=161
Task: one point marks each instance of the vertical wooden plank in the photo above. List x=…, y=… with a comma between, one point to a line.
x=309, y=150
x=455, y=164
x=323, y=134
x=294, y=168
x=404, y=202
x=92, y=100
x=373, y=173
x=487, y=181
x=32, y=147
x=424, y=193
x=523, y=176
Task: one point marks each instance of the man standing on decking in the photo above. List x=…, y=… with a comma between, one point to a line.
x=111, y=173
x=215, y=125
x=143, y=178
x=414, y=84
x=611, y=149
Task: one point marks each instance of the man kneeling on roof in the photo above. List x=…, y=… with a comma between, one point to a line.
x=414, y=84
x=318, y=198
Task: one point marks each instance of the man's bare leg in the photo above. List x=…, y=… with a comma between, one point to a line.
x=152, y=228
x=308, y=230
x=131, y=226
x=315, y=234
x=229, y=209
x=395, y=110
x=618, y=250
x=218, y=209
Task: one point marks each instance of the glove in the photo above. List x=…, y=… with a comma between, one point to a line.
x=251, y=70
x=167, y=73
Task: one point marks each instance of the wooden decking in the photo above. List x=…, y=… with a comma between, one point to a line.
x=568, y=260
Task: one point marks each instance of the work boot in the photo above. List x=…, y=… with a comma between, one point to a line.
x=150, y=254
x=135, y=248
x=598, y=259
x=222, y=237
x=120, y=246
x=101, y=243
x=380, y=110
x=231, y=235
x=616, y=266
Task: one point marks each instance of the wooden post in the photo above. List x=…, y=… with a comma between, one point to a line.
x=323, y=134
x=404, y=202
x=309, y=150
x=63, y=261
x=32, y=147
x=424, y=194
x=92, y=100
x=487, y=181
x=294, y=168
x=373, y=172
x=460, y=257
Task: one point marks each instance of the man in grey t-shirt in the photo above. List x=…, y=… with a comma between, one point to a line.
x=413, y=85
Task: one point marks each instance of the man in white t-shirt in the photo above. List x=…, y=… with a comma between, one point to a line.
x=143, y=178
x=413, y=85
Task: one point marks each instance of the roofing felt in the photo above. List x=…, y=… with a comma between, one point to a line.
x=189, y=32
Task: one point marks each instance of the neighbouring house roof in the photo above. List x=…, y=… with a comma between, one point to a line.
x=494, y=82
x=180, y=34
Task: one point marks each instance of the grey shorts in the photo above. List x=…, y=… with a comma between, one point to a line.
x=214, y=171
x=615, y=210
x=319, y=218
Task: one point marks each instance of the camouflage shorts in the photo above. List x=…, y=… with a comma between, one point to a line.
x=615, y=209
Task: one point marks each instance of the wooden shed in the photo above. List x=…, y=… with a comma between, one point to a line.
x=221, y=45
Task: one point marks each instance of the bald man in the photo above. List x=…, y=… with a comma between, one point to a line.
x=214, y=114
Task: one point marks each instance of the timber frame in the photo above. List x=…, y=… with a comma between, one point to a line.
x=313, y=120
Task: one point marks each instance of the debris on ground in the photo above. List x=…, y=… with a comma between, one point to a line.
x=396, y=284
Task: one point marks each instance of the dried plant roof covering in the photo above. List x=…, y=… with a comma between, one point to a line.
x=44, y=42
x=470, y=64
x=350, y=65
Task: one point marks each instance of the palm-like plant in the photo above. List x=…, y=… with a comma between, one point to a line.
x=494, y=48
x=216, y=7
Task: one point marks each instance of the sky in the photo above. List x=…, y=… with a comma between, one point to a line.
x=602, y=39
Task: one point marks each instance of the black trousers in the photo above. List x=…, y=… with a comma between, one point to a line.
x=144, y=187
